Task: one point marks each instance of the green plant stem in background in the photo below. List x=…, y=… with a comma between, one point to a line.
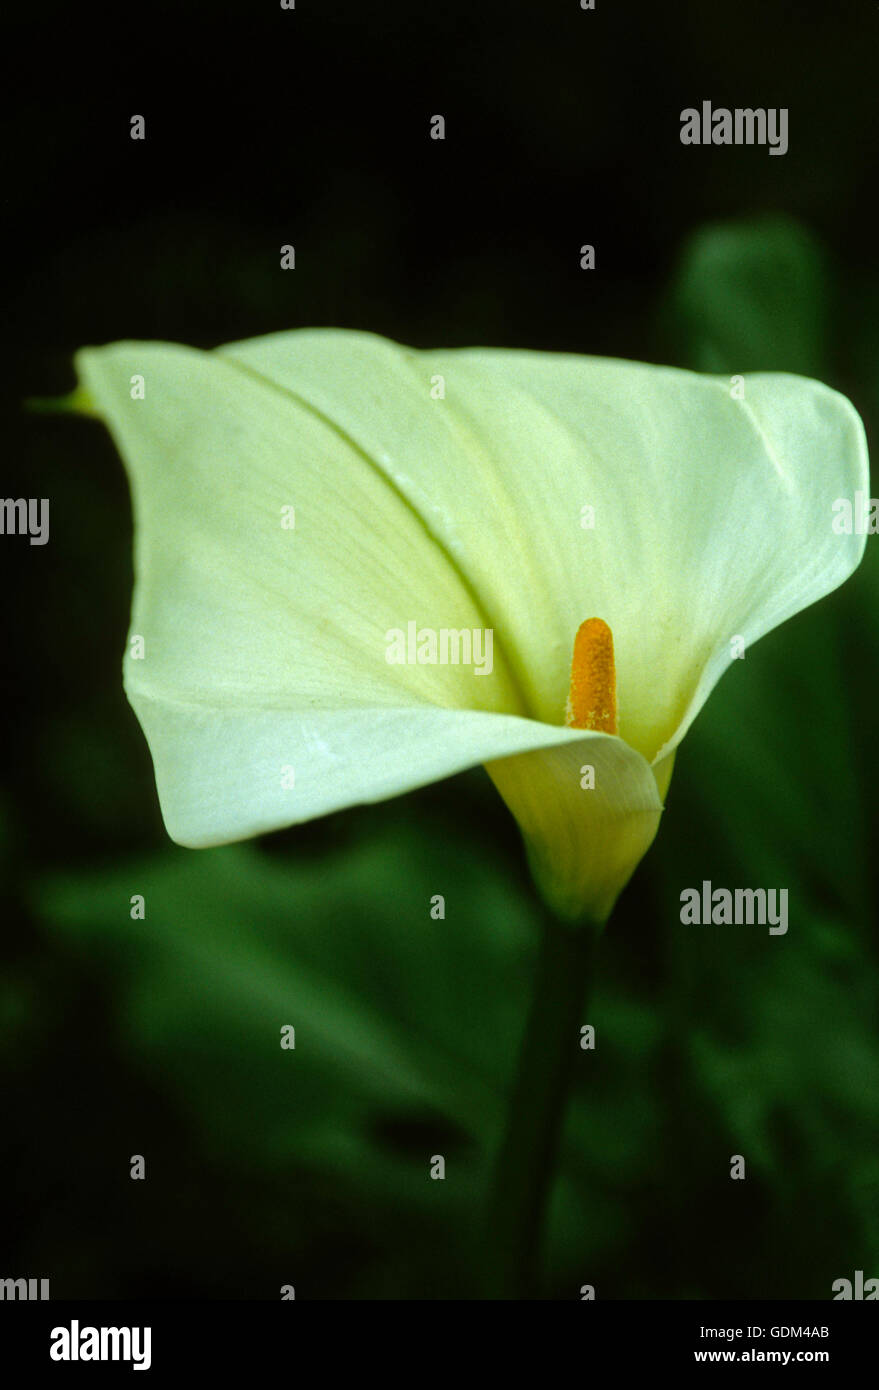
x=527, y=1158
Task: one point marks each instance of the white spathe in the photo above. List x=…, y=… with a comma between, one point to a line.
x=265, y=647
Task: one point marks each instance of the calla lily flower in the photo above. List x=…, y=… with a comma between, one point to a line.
x=449, y=490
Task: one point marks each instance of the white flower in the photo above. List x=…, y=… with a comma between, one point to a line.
x=264, y=645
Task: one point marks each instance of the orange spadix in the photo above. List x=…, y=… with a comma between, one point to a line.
x=592, y=701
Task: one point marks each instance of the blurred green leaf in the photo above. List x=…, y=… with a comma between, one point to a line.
x=407, y=1029
x=750, y=296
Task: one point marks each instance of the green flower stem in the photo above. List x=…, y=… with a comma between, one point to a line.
x=526, y=1161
